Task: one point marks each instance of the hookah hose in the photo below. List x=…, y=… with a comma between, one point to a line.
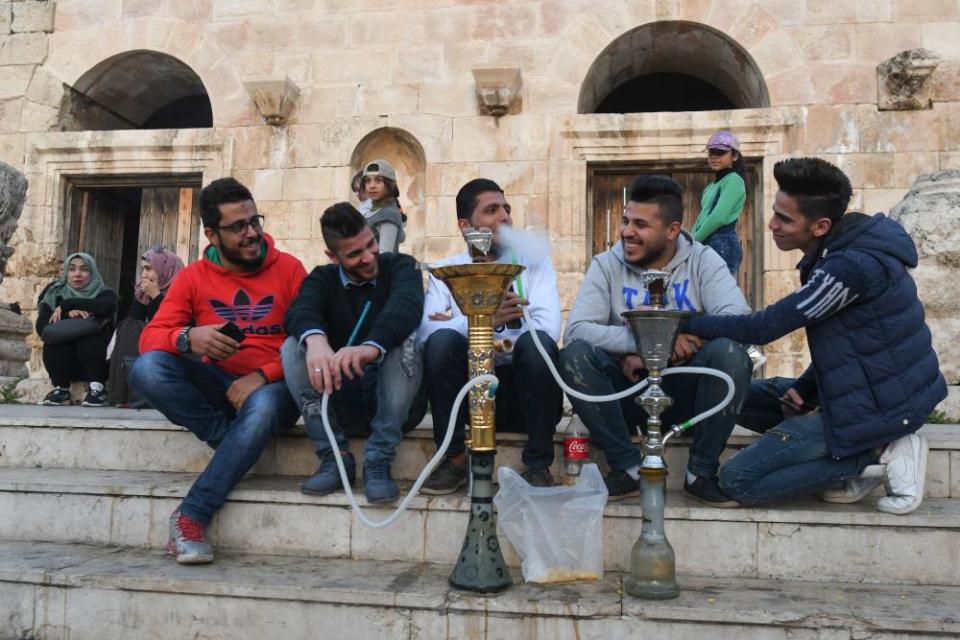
x=434, y=461
x=637, y=387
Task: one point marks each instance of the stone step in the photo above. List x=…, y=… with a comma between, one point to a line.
x=80, y=592
x=804, y=540
x=127, y=439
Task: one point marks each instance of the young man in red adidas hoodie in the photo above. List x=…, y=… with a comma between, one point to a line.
x=235, y=398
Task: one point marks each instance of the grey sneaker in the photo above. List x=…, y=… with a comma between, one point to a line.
x=56, y=398
x=537, y=477
x=187, y=542
x=446, y=478
x=856, y=489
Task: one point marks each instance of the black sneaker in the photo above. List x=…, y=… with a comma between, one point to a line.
x=56, y=398
x=95, y=398
x=537, y=477
x=620, y=485
x=446, y=478
x=708, y=491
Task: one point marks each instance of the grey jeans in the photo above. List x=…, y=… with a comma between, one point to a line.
x=378, y=405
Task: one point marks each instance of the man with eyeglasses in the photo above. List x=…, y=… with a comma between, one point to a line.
x=227, y=307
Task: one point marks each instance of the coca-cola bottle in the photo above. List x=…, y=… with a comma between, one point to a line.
x=576, y=450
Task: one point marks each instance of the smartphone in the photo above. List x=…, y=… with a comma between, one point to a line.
x=806, y=408
x=231, y=330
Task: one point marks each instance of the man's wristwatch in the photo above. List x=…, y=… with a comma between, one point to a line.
x=183, y=340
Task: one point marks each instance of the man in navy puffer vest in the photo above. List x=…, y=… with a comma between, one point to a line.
x=874, y=377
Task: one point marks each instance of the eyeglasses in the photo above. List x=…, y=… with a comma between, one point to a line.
x=240, y=226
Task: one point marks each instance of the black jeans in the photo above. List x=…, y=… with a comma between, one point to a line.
x=82, y=359
x=528, y=398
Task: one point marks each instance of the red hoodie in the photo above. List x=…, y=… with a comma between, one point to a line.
x=205, y=293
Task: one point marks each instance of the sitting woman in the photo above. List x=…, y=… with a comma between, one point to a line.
x=158, y=267
x=75, y=313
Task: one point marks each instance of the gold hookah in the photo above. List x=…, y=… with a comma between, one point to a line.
x=478, y=290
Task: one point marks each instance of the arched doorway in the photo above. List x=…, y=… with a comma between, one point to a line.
x=672, y=66
x=137, y=90
x=402, y=150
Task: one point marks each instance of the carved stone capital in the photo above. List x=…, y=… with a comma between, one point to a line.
x=902, y=80
x=274, y=98
x=497, y=89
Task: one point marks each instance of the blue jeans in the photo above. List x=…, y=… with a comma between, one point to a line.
x=528, y=398
x=378, y=406
x=193, y=394
x=791, y=458
x=726, y=243
x=594, y=371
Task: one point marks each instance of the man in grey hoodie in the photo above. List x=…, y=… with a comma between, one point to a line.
x=600, y=354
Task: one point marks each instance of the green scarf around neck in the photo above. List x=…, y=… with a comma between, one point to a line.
x=60, y=290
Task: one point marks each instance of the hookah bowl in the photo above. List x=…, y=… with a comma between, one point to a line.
x=653, y=572
x=478, y=289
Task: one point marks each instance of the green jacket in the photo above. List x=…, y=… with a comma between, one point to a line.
x=715, y=211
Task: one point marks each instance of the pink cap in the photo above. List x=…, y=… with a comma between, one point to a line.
x=723, y=140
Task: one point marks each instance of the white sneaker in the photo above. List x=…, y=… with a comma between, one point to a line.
x=906, y=462
x=756, y=356
x=856, y=489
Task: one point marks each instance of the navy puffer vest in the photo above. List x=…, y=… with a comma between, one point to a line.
x=877, y=375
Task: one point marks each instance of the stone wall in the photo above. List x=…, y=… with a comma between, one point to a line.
x=406, y=66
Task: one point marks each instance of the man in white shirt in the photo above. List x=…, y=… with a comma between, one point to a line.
x=528, y=398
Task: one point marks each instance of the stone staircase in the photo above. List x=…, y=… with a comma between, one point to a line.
x=85, y=495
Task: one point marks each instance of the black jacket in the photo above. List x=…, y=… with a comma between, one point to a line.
x=104, y=306
x=324, y=303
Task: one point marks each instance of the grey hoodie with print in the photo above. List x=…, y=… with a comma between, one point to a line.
x=699, y=281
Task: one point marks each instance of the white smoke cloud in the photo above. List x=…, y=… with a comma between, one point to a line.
x=532, y=244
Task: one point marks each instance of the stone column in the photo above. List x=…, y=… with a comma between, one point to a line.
x=930, y=212
x=14, y=328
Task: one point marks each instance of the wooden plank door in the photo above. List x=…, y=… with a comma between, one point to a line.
x=169, y=216
x=99, y=232
x=609, y=186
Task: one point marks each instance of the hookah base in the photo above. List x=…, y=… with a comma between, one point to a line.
x=480, y=566
x=651, y=589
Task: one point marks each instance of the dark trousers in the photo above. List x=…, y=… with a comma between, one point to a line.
x=528, y=398
x=612, y=424
x=81, y=359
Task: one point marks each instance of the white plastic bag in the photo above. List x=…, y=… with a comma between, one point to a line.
x=558, y=531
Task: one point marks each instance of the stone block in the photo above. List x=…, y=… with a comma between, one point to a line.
x=10, y=111
x=33, y=15
x=878, y=41
x=307, y=184
x=282, y=528
x=75, y=15
x=824, y=42
x=378, y=99
x=831, y=129
x=900, y=131
x=12, y=148
x=882, y=200
x=14, y=80
x=6, y=17
x=17, y=608
x=787, y=12
x=793, y=86
x=945, y=82
x=828, y=553
x=844, y=83
x=24, y=48
x=195, y=11
x=942, y=38
x=955, y=474
x=847, y=11
x=268, y=184
x=926, y=11
x=937, y=483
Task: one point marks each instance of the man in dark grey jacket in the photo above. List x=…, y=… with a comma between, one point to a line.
x=350, y=331
x=600, y=356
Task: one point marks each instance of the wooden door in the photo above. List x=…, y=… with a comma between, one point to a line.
x=169, y=216
x=97, y=229
x=609, y=187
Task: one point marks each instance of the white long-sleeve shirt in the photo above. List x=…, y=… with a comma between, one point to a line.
x=539, y=286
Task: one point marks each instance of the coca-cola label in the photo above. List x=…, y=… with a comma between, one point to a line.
x=576, y=448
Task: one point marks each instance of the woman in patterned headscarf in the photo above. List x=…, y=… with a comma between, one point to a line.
x=158, y=268
x=78, y=294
